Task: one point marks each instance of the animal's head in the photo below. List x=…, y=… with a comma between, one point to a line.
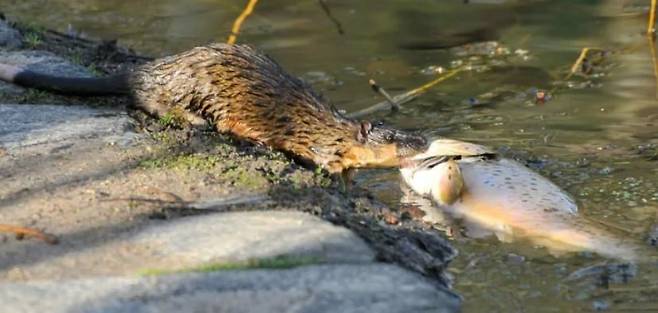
x=406, y=143
x=383, y=146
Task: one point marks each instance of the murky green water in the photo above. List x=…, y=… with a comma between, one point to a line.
x=597, y=137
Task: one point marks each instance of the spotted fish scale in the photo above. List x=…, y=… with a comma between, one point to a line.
x=505, y=197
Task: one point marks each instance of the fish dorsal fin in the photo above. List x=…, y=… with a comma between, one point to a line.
x=456, y=147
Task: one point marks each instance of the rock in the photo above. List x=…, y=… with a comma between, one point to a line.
x=40, y=61
x=604, y=274
x=599, y=305
x=239, y=236
x=652, y=238
x=48, y=127
x=10, y=38
x=44, y=62
x=321, y=288
x=228, y=239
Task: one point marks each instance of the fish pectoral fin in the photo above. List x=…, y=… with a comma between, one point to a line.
x=450, y=184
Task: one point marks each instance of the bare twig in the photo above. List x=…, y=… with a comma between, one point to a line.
x=574, y=68
x=238, y=22
x=29, y=232
x=376, y=88
x=209, y=204
x=219, y=203
x=651, y=28
x=407, y=96
x=652, y=47
x=327, y=11
x=578, y=63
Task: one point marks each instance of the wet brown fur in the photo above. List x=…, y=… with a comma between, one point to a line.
x=245, y=93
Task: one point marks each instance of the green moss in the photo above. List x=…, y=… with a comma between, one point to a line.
x=35, y=96
x=76, y=58
x=278, y=262
x=32, y=27
x=304, y=179
x=94, y=70
x=175, y=117
x=32, y=40
x=322, y=178
x=243, y=177
x=183, y=161
x=167, y=120
x=164, y=137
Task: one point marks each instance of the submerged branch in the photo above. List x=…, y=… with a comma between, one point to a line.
x=327, y=12
x=651, y=28
x=215, y=204
x=376, y=88
x=578, y=63
x=405, y=97
x=654, y=58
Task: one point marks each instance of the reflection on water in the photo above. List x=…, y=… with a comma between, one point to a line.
x=596, y=137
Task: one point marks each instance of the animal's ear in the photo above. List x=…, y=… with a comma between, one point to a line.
x=364, y=131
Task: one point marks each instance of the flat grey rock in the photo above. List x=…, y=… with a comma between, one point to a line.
x=44, y=62
x=235, y=236
x=315, y=289
x=191, y=242
x=51, y=126
x=10, y=38
x=39, y=61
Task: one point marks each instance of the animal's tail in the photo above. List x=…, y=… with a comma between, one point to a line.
x=78, y=86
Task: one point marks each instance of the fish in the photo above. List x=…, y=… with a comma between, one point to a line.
x=474, y=183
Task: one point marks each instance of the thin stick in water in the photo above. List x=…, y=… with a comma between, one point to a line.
x=327, y=11
x=654, y=60
x=407, y=96
x=376, y=88
x=238, y=22
x=579, y=61
x=651, y=28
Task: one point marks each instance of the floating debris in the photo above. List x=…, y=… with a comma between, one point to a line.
x=541, y=96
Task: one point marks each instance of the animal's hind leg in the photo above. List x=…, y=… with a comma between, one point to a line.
x=195, y=120
x=179, y=114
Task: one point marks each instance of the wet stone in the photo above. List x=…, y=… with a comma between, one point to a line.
x=47, y=127
x=652, y=238
x=600, y=305
x=10, y=38
x=42, y=62
x=320, y=288
x=250, y=235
